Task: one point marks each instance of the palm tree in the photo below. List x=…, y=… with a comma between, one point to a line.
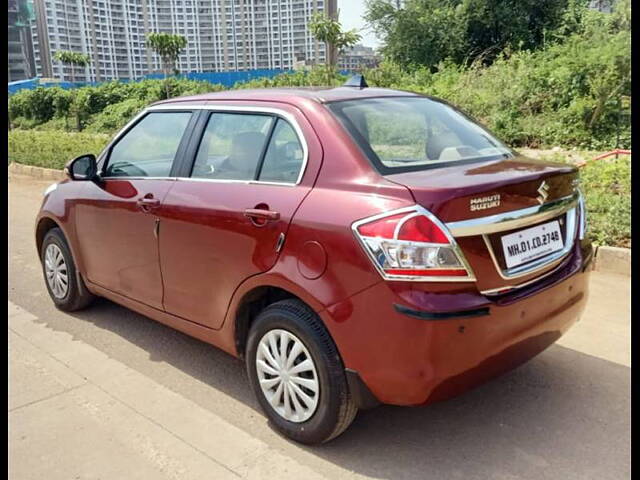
x=72, y=58
x=169, y=47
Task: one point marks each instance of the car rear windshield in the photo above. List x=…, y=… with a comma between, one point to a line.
x=414, y=133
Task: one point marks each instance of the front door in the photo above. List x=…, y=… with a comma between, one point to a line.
x=224, y=223
x=117, y=221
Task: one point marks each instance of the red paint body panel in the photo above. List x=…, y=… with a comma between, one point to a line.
x=208, y=246
x=208, y=256
x=446, y=191
x=410, y=361
x=119, y=248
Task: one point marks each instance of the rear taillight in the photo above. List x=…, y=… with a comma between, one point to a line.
x=412, y=244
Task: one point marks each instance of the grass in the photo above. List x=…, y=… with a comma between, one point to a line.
x=52, y=149
x=607, y=187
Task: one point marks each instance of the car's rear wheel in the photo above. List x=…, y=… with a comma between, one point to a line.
x=297, y=375
x=66, y=288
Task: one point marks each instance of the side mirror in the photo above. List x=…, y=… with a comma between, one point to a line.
x=83, y=167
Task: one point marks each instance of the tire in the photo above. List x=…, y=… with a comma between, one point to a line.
x=75, y=296
x=335, y=409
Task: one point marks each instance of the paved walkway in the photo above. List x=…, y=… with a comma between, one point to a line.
x=76, y=413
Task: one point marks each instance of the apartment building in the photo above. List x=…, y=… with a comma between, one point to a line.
x=222, y=35
x=21, y=64
x=358, y=57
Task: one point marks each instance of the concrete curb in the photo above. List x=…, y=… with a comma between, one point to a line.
x=607, y=259
x=613, y=260
x=36, y=172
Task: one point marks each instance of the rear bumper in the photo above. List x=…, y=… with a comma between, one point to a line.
x=407, y=360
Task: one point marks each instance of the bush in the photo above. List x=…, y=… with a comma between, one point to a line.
x=52, y=149
x=607, y=187
x=99, y=106
x=38, y=104
x=565, y=95
x=316, y=76
x=115, y=116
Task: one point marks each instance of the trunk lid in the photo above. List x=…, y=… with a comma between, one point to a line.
x=465, y=192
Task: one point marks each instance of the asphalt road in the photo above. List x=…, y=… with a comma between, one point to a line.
x=563, y=415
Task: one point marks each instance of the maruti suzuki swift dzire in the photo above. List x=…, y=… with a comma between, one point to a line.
x=354, y=246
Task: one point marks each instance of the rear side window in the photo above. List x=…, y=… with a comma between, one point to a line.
x=242, y=146
x=231, y=146
x=414, y=133
x=284, y=157
x=148, y=148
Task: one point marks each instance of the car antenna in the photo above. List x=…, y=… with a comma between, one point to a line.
x=357, y=81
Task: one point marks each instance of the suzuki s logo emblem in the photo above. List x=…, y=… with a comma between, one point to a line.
x=482, y=203
x=543, y=190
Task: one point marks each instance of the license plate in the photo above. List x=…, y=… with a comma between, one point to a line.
x=531, y=243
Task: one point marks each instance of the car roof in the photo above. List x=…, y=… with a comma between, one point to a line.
x=293, y=95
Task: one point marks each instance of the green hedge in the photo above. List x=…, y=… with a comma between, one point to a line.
x=606, y=184
x=52, y=149
x=607, y=188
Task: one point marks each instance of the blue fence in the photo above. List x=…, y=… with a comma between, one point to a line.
x=228, y=79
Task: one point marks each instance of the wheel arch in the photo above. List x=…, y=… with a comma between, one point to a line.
x=250, y=305
x=44, y=225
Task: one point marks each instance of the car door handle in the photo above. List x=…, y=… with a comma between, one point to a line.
x=257, y=213
x=148, y=203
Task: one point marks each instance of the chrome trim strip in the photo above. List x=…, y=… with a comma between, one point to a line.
x=408, y=278
x=190, y=179
x=224, y=108
x=514, y=219
x=537, y=265
x=117, y=177
x=252, y=109
x=222, y=180
x=582, y=211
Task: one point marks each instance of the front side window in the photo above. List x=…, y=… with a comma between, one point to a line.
x=413, y=133
x=149, y=147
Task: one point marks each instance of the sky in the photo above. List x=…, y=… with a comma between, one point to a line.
x=351, y=12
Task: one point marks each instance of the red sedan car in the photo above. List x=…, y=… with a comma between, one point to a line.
x=355, y=246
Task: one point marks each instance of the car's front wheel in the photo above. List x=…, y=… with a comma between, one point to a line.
x=66, y=288
x=297, y=375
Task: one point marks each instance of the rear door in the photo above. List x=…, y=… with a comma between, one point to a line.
x=117, y=219
x=227, y=216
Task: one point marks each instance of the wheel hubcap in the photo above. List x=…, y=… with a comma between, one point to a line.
x=56, y=271
x=287, y=375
